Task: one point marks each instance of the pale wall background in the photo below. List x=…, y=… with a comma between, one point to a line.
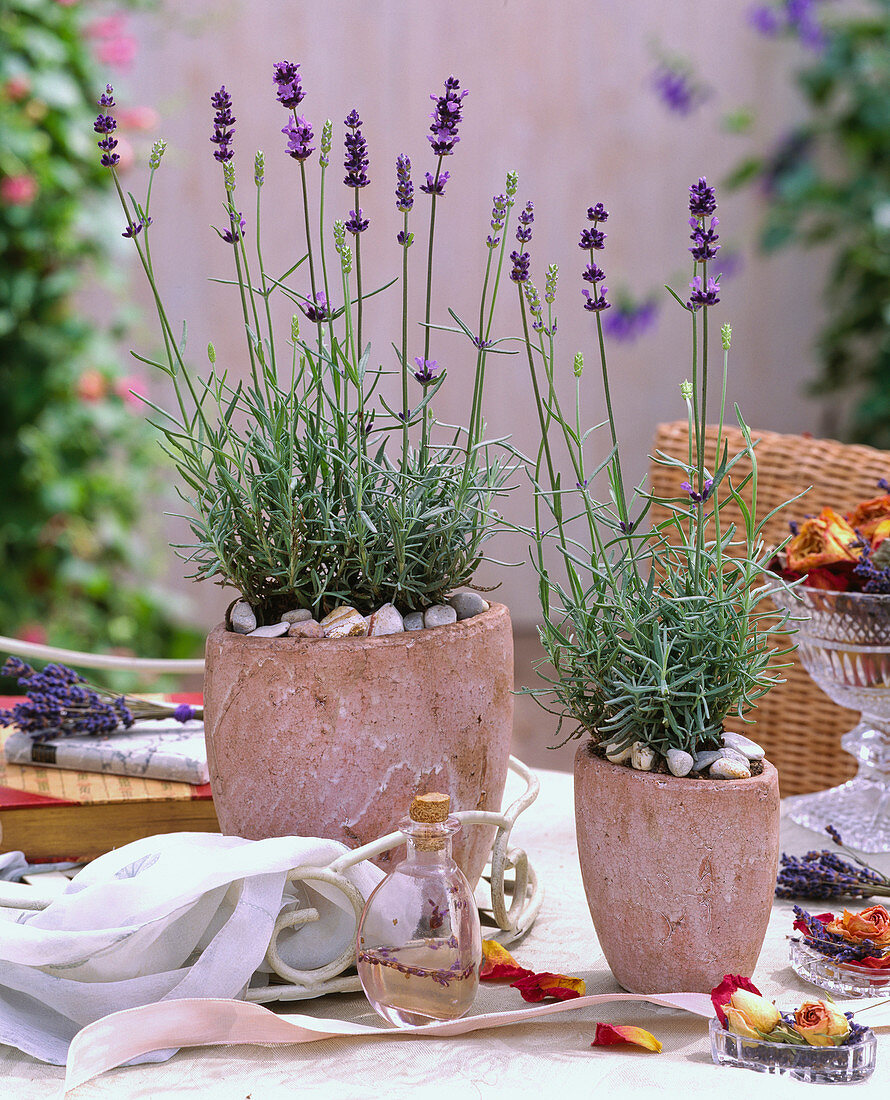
x=559, y=91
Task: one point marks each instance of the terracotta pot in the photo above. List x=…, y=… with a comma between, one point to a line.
x=334, y=737
x=679, y=873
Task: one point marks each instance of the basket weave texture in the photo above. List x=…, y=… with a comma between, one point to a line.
x=797, y=724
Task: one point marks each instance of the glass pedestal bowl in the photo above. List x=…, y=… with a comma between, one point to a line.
x=843, y=640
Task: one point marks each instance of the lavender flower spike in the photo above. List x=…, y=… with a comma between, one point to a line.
x=596, y=303
x=702, y=296
x=223, y=125
x=356, y=153
x=290, y=93
x=702, y=199
x=298, y=134
x=521, y=262
x=524, y=229
x=446, y=118
x=592, y=238
x=355, y=223
x=427, y=369
x=435, y=185
x=106, y=125
x=597, y=213
x=404, y=186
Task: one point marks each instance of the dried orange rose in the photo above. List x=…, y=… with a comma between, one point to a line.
x=826, y=539
x=821, y=1024
x=880, y=533
x=866, y=516
x=872, y=924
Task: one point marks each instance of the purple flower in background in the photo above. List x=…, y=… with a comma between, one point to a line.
x=699, y=498
x=356, y=152
x=446, y=118
x=765, y=20
x=184, y=713
x=223, y=125
x=427, y=369
x=704, y=246
x=435, y=185
x=629, y=321
x=290, y=92
x=702, y=296
x=106, y=125
x=702, y=199
x=524, y=229
x=596, y=303
x=298, y=134
x=731, y=263
x=318, y=310
x=521, y=262
x=592, y=238
x=597, y=213
x=593, y=274
x=355, y=223
x=404, y=186
x=677, y=89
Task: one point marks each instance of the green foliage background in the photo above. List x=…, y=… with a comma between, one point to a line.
x=76, y=471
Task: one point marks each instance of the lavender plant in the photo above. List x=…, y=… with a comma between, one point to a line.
x=308, y=487
x=654, y=633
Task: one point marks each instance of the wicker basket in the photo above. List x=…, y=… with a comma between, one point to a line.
x=796, y=722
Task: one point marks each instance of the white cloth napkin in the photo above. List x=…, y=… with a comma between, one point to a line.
x=167, y=917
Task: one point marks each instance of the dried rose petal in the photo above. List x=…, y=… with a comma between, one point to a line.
x=720, y=994
x=826, y=539
x=559, y=987
x=607, y=1035
x=498, y=964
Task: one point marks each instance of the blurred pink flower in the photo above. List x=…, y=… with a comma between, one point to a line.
x=91, y=386
x=33, y=632
x=138, y=118
x=125, y=152
x=131, y=389
x=114, y=45
x=18, y=190
x=16, y=88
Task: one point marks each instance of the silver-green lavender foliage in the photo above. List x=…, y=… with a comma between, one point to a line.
x=656, y=634
x=306, y=489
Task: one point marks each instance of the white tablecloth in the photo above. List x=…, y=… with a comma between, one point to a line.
x=545, y=1056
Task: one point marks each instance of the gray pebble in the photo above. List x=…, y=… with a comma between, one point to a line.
x=734, y=754
x=302, y=615
x=727, y=768
x=413, y=620
x=273, y=630
x=467, y=604
x=305, y=628
x=679, y=762
x=439, y=615
x=242, y=618
x=748, y=748
x=385, y=620
x=706, y=759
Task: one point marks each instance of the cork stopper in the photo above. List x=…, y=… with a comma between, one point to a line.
x=430, y=808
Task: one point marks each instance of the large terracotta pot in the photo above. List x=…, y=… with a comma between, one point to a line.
x=334, y=737
x=679, y=873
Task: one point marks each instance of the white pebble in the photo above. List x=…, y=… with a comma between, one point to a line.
x=679, y=762
x=439, y=615
x=344, y=622
x=385, y=620
x=744, y=745
x=615, y=754
x=273, y=630
x=301, y=615
x=727, y=768
x=642, y=757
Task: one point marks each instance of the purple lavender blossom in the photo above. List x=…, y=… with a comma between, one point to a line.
x=446, y=118
x=597, y=213
x=629, y=321
x=427, y=369
x=592, y=238
x=58, y=704
x=405, y=239
x=356, y=152
x=298, y=134
x=884, y=485
x=135, y=228
x=106, y=125
x=236, y=231
x=698, y=498
x=499, y=208
x=702, y=199
x=524, y=229
x=521, y=262
x=677, y=90
x=704, y=246
x=876, y=579
x=223, y=125
x=765, y=20
x=317, y=310
x=702, y=296
x=404, y=186
x=184, y=713
x=593, y=274
x=355, y=223
x=290, y=93
x=435, y=185
x=596, y=303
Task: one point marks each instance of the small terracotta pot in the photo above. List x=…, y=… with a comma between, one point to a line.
x=679, y=873
x=334, y=737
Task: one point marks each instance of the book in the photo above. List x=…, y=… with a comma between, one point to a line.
x=56, y=814
x=163, y=749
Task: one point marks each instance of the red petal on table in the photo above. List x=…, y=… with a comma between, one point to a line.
x=559, y=987
x=498, y=964
x=874, y=962
x=720, y=994
x=800, y=925
x=607, y=1036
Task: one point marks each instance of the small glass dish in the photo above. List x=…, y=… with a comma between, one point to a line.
x=827, y=1065
x=843, y=979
